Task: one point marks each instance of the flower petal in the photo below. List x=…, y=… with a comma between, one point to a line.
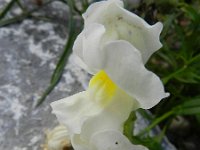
x=115, y=103
x=133, y=77
x=84, y=112
x=127, y=25
x=82, y=64
x=105, y=140
x=113, y=115
x=87, y=45
x=78, y=49
x=79, y=143
x=96, y=10
x=91, y=45
x=74, y=110
x=113, y=140
x=149, y=34
x=78, y=45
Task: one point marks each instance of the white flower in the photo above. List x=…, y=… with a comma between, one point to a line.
x=119, y=42
x=103, y=108
x=108, y=21
x=114, y=45
x=103, y=103
x=105, y=140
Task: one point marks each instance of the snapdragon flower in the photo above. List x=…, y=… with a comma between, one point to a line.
x=108, y=21
x=120, y=43
x=114, y=46
x=98, y=112
x=102, y=106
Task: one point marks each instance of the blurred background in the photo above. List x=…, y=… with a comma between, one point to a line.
x=36, y=68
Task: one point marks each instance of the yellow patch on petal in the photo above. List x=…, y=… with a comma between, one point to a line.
x=103, y=87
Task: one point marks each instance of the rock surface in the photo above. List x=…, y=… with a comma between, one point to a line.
x=29, y=52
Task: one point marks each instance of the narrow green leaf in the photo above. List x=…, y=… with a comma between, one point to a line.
x=7, y=8
x=170, y=60
x=189, y=111
x=167, y=24
x=191, y=12
x=174, y=74
x=63, y=59
x=57, y=74
x=190, y=75
x=47, y=91
x=189, y=107
x=145, y=114
x=192, y=103
x=13, y=20
x=24, y=15
x=156, y=121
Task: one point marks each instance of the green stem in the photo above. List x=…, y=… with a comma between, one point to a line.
x=156, y=121
x=162, y=134
x=166, y=79
x=194, y=59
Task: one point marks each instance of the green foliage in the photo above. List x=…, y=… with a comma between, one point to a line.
x=153, y=143
x=178, y=61
x=189, y=107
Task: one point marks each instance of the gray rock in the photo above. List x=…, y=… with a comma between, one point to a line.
x=29, y=52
